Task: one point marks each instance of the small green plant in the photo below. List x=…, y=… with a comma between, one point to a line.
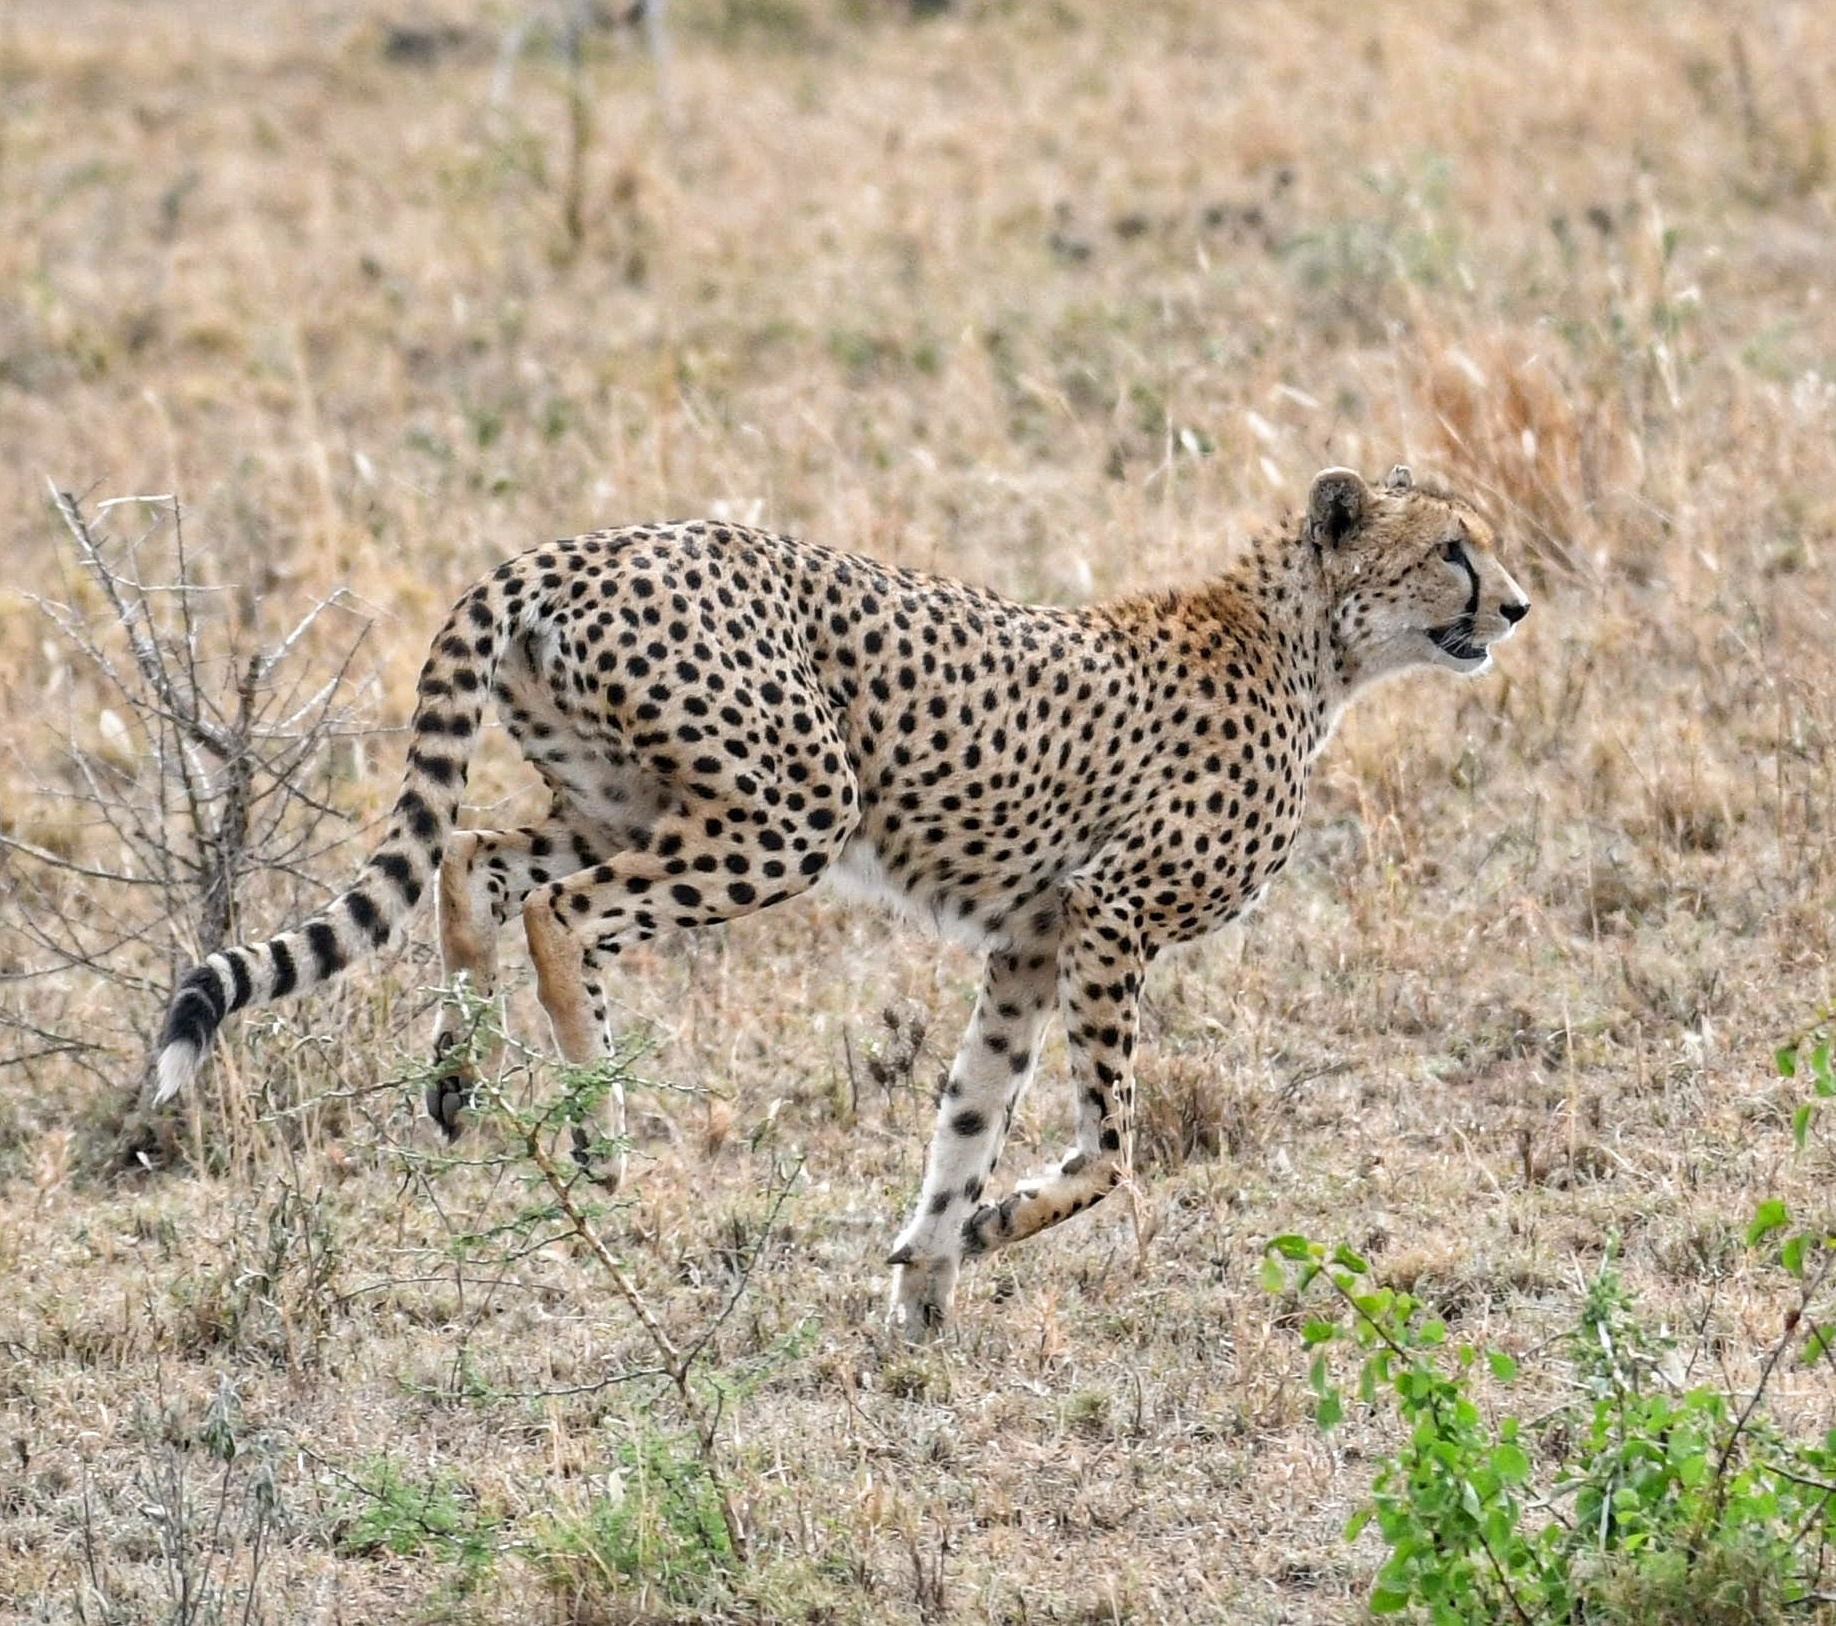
x=655, y=1520
x=438, y=1517
x=669, y=1520
x=1636, y=1500
x=1808, y=1056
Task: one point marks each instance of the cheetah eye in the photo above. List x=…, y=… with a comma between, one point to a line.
x=1453, y=552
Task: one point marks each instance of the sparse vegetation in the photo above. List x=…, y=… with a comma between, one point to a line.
x=1640, y=1497
x=392, y=1510
x=1064, y=299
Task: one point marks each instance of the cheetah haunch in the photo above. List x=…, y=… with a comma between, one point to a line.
x=724, y=717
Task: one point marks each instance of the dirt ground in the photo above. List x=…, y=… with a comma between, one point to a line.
x=1068, y=299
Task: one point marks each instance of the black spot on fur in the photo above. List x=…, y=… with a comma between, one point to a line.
x=239, y=974
x=401, y=876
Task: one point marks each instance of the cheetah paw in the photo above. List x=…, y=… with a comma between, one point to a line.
x=450, y=1092
x=591, y=1159
x=922, y=1294
x=993, y=1223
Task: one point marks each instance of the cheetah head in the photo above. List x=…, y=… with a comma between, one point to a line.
x=1411, y=575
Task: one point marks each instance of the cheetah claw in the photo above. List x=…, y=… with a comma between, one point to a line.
x=450, y=1092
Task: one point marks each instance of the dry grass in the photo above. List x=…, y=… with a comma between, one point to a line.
x=1066, y=299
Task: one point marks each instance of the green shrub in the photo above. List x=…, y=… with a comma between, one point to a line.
x=436, y=1517
x=658, y=1525
x=1637, y=1501
x=1634, y=1501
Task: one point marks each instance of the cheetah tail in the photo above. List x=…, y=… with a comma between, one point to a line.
x=449, y=707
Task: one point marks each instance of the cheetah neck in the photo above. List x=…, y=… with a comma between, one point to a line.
x=1270, y=615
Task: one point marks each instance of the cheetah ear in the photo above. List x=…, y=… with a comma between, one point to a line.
x=1335, y=505
x=1399, y=478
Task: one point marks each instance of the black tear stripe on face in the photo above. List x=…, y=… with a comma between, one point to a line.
x=1472, y=575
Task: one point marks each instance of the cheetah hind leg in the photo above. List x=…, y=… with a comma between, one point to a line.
x=577, y=926
x=570, y=986
x=484, y=875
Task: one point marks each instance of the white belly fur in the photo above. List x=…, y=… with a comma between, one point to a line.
x=859, y=875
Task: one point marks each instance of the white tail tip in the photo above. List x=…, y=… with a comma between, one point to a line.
x=178, y=1064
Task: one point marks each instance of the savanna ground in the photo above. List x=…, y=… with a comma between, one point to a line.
x=1068, y=299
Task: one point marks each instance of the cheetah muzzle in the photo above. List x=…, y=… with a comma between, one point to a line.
x=724, y=717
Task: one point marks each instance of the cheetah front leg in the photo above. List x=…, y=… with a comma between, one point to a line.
x=1100, y=966
x=484, y=877
x=993, y=1066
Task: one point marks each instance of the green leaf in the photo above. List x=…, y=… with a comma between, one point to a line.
x=1503, y=1367
x=1354, y=1526
x=1822, y=1337
x=1274, y=1278
x=1771, y=1215
x=1786, y=1059
x=1330, y=1409
x=1319, y=1332
x=1510, y=1464
x=1385, y=1601
x=1800, y=1123
x=1290, y=1247
x=1343, y=1256
x=1791, y=1256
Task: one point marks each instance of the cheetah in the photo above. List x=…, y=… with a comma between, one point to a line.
x=723, y=717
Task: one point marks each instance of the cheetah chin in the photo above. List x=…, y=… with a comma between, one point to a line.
x=1463, y=656
x=724, y=717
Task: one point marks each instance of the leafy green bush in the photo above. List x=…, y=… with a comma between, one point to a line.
x=1636, y=1500
x=657, y=1524
x=438, y=1517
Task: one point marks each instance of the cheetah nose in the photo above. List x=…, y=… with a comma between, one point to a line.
x=1514, y=613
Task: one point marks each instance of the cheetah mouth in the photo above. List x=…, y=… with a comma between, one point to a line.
x=1455, y=641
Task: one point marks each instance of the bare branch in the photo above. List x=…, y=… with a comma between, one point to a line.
x=214, y=780
x=147, y=656
x=71, y=867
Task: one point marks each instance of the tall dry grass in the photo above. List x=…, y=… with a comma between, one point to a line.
x=1067, y=299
